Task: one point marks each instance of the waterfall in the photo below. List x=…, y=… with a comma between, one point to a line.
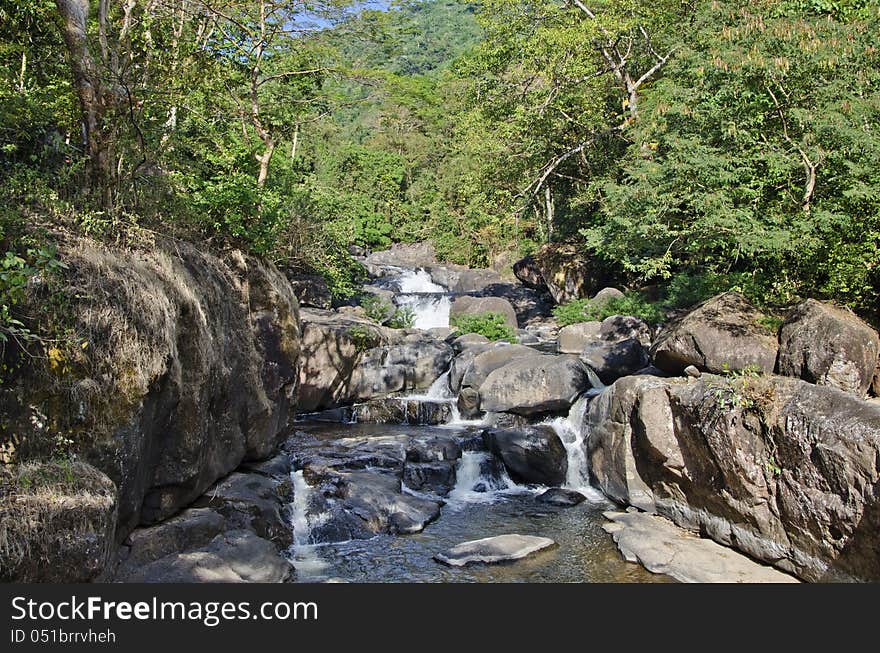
x=573, y=432
x=303, y=554
x=429, y=302
x=479, y=477
x=596, y=385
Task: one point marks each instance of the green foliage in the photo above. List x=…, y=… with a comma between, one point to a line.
x=403, y=318
x=491, y=325
x=363, y=337
x=754, y=156
x=37, y=265
x=586, y=310
x=376, y=307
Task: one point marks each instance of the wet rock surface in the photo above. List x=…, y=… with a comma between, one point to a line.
x=501, y=548
x=531, y=454
x=557, y=496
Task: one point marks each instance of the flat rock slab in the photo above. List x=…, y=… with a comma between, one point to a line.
x=663, y=548
x=501, y=548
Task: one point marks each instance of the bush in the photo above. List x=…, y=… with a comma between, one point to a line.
x=403, y=318
x=632, y=303
x=491, y=325
x=377, y=308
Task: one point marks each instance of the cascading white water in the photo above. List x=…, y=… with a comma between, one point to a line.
x=474, y=485
x=572, y=431
x=429, y=302
x=304, y=556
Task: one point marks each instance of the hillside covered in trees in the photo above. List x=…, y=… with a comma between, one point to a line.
x=697, y=146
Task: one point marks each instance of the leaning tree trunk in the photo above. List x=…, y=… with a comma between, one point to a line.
x=92, y=97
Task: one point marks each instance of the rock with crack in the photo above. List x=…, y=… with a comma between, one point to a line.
x=663, y=548
x=501, y=548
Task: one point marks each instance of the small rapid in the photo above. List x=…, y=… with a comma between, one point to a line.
x=572, y=430
x=303, y=553
x=430, y=302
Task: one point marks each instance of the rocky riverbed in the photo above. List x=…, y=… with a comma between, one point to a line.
x=729, y=448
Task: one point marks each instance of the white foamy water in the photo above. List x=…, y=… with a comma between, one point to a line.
x=304, y=556
x=572, y=430
x=474, y=485
x=430, y=302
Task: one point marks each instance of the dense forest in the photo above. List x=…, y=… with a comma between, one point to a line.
x=690, y=146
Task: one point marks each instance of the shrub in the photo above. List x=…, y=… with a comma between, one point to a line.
x=491, y=325
x=376, y=307
x=403, y=318
x=363, y=337
x=632, y=303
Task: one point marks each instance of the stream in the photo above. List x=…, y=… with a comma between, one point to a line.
x=482, y=502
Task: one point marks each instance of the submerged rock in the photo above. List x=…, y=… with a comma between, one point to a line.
x=501, y=548
x=557, y=496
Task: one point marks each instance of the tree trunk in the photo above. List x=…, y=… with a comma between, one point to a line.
x=92, y=99
x=265, y=159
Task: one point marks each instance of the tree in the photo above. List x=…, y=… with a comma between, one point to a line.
x=763, y=157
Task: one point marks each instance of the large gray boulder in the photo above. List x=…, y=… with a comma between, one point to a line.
x=250, y=501
x=574, y=337
x=533, y=454
x=536, y=384
x=827, y=345
x=724, y=333
x=486, y=362
x=531, y=307
x=190, y=369
x=470, y=305
x=623, y=327
x=780, y=469
x=348, y=360
x=612, y=360
x=462, y=279
x=564, y=271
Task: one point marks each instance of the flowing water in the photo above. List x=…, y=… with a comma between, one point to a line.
x=484, y=502
x=430, y=302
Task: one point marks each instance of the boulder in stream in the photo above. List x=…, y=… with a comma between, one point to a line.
x=563, y=497
x=533, y=454
x=501, y=548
